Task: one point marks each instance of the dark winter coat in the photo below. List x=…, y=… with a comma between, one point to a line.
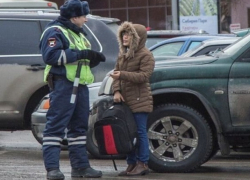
x=136, y=66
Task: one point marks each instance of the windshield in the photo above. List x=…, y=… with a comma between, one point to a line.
x=113, y=27
x=236, y=46
x=190, y=52
x=169, y=49
x=152, y=41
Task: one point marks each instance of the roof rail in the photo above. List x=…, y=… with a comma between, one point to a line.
x=170, y=32
x=105, y=19
x=43, y=11
x=29, y=10
x=27, y=4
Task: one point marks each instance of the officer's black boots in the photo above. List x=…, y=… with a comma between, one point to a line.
x=55, y=175
x=89, y=172
x=86, y=173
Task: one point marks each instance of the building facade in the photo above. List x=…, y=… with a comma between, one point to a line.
x=158, y=14
x=240, y=13
x=155, y=14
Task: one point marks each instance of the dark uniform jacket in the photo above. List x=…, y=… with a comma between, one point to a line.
x=55, y=49
x=136, y=66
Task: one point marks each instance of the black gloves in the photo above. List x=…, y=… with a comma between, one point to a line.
x=92, y=55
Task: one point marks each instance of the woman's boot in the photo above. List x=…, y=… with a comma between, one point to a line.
x=129, y=168
x=140, y=169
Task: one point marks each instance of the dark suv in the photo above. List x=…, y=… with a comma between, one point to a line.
x=21, y=79
x=201, y=105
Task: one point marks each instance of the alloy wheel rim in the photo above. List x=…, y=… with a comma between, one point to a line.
x=172, y=139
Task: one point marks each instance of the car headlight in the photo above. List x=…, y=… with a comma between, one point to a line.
x=44, y=105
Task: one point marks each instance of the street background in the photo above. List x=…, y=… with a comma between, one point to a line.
x=21, y=158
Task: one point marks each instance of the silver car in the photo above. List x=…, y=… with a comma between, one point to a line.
x=22, y=66
x=38, y=119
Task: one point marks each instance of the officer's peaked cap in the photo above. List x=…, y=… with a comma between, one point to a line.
x=74, y=8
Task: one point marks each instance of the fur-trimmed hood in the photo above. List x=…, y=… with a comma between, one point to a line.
x=138, y=34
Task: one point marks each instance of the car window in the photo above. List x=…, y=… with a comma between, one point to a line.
x=114, y=27
x=152, y=41
x=208, y=49
x=19, y=37
x=95, y=45
x=191, y=51
x=44, y=24
x=194, y=44
x=170, y=49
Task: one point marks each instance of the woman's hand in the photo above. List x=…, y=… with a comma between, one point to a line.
x=118, y=97
x=115, y=74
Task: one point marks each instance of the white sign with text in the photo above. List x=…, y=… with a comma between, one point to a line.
x=197, y=23
x=198, y=15
x=234, y=27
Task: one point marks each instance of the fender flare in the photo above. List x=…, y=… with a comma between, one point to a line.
x=204, y=101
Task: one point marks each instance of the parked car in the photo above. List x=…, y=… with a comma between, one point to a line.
x=201, y=105
x=22, y=86
x=27, y=4
x=179, y=45
x=206, y=47
x=210, y=45
x=156, y=36
x=39, y=115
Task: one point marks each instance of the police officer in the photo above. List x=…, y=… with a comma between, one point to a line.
x=63, y=45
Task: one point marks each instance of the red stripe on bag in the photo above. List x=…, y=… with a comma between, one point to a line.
x=109, y=140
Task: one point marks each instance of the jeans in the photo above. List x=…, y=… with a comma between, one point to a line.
x=141, y=153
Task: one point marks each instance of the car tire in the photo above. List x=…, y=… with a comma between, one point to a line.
x=34, y=132
x=212, y=154
x=180, y=139
x=93, y=148
x=64, y=142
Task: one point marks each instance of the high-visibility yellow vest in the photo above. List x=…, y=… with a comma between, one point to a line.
x=76, y=42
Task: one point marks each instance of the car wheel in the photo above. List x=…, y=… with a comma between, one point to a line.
x=32, y=104
x=39, y=137
x=180, y=139
x=35, y=134
x=93, y=148
x=212, y=154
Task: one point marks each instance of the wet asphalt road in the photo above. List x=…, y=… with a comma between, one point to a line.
x=21, y=158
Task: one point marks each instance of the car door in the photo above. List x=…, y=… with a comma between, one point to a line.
x=239, y=91
x=21, y=65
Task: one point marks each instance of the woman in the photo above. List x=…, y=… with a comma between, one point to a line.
x=134, y=66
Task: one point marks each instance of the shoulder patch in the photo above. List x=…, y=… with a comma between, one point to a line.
x=51, y=42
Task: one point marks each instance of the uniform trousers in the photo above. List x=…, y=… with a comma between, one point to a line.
x=64, y=115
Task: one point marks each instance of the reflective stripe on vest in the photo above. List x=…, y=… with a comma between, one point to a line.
x=76, y=42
